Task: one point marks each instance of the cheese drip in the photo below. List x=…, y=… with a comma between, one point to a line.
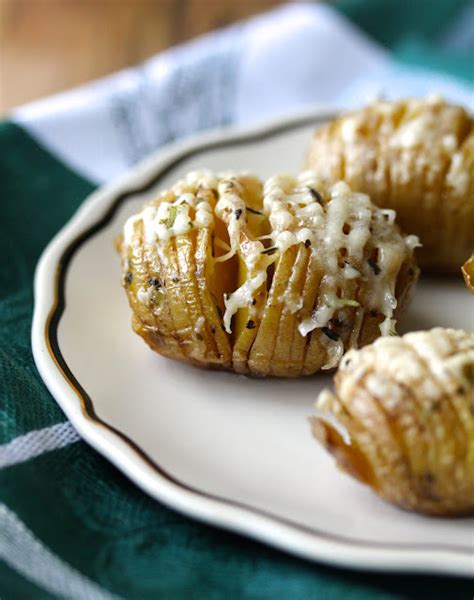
x=352, y=240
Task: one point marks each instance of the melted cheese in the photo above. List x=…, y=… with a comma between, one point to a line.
x=242, y=297
x=144, y=295
x=176, y=212
x=322, y=413
x=342, y=230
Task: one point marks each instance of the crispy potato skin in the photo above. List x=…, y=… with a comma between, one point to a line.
x=177, y=289
x=407, y=405
x=416, y=157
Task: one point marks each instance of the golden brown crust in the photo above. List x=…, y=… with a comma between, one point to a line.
x=415, y=156
x=179, y=286
x=405, y=409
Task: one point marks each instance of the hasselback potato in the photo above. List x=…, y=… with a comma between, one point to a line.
x=416, y=157
x=401, y=419
x=275, y=279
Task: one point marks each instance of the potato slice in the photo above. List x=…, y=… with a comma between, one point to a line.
x=209, y=290
x=247, y=320
x=283, y=363
x=261, y=353
x=152, y=317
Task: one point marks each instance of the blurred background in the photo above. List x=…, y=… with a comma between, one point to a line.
x=48, y=46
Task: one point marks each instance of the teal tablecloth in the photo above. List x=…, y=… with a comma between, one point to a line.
x=70, y=523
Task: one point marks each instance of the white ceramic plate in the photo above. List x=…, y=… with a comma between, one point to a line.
x=226, y=449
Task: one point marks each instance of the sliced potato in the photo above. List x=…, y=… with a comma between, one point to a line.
x=401, y=419
x=276, y=280
x=415, y=156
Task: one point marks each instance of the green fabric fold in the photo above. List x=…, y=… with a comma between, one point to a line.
x=72, y=500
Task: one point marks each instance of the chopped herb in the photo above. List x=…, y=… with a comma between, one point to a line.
x=253, y=211
x=374, y=266
x=315, y=195
x=250, y=324
x=171, y=216
x=128, y=278
x=153, y=281
x=271, y=250
x=238, y=213
x=342, y=302
x=307, y=243
x=332, y=335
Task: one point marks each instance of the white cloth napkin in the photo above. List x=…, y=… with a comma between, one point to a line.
x=296, y=57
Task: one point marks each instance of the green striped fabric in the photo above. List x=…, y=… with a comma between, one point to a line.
x=70, y=524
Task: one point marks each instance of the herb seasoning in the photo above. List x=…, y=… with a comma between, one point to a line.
x=171, y=216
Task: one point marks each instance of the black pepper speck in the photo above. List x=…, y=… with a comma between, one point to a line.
x=154, y=282
x=374, y=266
x=332, y=335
